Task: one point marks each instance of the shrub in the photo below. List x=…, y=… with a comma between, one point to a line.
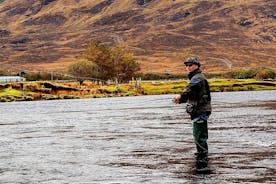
x=36, y=76
x=246, y=74
x=266, y=74
x=83, y=68
x=160, y=76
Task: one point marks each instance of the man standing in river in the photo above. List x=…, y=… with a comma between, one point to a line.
x=198, y=99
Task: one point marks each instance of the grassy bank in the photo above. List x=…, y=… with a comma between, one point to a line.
x=45, y=90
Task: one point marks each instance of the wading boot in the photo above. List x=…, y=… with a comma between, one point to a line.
x=202, y=165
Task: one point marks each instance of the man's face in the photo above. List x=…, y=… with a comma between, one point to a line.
x=190, y=67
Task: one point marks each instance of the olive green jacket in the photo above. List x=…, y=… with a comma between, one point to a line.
x=197, y=95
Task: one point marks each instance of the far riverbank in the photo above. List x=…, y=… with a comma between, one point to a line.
x=50, y=90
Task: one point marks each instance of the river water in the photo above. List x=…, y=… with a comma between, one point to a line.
x=145, y=139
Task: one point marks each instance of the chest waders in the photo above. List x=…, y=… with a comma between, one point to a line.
x=200, y=133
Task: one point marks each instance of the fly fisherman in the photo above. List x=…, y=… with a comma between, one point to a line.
x=198, y=99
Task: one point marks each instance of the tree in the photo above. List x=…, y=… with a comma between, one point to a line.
x=123, y=63
x=110, y=62
x=83, y=68
x=100, y=55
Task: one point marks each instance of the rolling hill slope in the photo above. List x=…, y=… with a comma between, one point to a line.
x=226, y=35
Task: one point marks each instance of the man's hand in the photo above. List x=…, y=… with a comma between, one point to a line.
x=177, y=98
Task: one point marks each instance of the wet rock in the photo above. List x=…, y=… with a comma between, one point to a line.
x=28, y=98
x=49, y=97
x=69, y=97
x=3, y=99
x=7, y=98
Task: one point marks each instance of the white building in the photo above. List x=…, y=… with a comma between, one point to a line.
x=5, y=79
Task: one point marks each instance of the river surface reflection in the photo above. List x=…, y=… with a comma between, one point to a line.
x=145, y=139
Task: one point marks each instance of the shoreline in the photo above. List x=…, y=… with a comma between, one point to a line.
x=53, y=90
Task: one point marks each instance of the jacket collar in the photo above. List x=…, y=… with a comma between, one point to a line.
x=193, y=73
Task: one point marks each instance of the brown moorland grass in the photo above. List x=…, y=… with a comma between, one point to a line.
x=226, y=35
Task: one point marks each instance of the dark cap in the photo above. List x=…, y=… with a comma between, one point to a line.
x=192, y=60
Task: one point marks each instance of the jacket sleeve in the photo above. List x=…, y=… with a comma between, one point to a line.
x=192, y=90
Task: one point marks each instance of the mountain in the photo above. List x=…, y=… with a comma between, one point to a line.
x=224, y=34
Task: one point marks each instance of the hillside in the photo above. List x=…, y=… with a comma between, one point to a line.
x=226, y=35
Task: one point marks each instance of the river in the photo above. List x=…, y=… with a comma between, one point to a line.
x=144, y=139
